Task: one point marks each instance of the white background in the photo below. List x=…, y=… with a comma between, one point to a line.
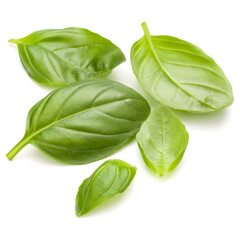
x=199, y=200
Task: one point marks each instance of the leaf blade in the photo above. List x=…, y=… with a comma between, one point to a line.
x=110, y=179
x=63, y=56
x=162, y=147
x=164, y=65
x=85, y=121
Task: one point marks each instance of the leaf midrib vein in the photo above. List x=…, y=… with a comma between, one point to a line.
x=89, y=183
x=163, y=140
x=69, y=116
x=72, y=65
x=95, y=133
x=82, y=46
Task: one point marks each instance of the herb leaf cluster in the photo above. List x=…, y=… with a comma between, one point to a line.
x=90, y=117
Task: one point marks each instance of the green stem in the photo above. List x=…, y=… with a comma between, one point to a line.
x=148, y=37
x=14, y=151
x=13, y=41
x=146, y=31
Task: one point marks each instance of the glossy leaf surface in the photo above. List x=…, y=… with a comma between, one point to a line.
x=111, y=178
x=179, y=74
x=63, y=56
x=162, y=140
x=85, y=121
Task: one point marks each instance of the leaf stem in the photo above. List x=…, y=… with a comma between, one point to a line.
x=19, y=146
x=13, y=41
x=148, y=37
x=146, y=31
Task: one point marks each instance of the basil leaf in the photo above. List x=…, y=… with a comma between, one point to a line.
x=111, y=178
x=162, y=140
x=85, y=121
x=62, y=56
x=179, y=74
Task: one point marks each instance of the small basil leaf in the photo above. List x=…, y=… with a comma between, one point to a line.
x=179, y=74
x=85, y=121
x=62, y=56
x=111, y=178
x=162, y=140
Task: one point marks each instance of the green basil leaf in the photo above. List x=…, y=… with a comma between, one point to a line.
x=179, y=74
x=85, y=121
x=111, y=178
x=162, y=140
x=63, y=56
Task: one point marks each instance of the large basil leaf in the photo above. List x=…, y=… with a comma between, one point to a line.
x=111, y=178
x=85, y=121
x=162, y=140
x=179, y=74
x=63, y=56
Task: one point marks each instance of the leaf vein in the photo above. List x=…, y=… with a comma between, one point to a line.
x=71, y=115
x=194, y=66
x=94, y=133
